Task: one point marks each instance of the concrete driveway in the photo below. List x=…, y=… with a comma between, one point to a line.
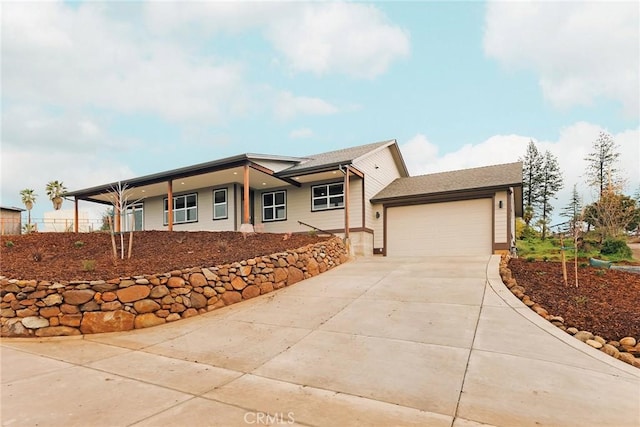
x=377, y=341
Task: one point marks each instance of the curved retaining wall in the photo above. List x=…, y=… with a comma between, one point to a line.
x=42, y=308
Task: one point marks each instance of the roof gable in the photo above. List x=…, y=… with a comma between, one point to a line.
x=334, y=158
x=505, y=175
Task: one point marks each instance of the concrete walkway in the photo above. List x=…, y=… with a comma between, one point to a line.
x=377, y=341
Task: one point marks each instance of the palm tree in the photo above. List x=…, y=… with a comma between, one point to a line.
x=56, y=191
x=28, y=199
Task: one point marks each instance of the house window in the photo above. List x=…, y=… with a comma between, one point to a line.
x=274, y=206
x=327, y=196
x=185, y=209
x=220, y=204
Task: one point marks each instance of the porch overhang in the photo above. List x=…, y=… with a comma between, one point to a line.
x=187, y=179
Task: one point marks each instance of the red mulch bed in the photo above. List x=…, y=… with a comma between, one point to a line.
x=605, y=303
x=69, y=256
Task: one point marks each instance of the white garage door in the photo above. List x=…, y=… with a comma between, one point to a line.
x=440, y=229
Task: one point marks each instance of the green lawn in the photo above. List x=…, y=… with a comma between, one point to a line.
x=550, y=250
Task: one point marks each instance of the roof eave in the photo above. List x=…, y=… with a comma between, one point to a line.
x=417, y=196
x=314, y=169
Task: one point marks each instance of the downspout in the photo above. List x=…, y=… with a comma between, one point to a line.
x=170, y=205
x=345, y=171
x=75, y=214
x=510, y=230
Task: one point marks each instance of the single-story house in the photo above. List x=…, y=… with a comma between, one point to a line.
x=363, y=193
x=10, y=220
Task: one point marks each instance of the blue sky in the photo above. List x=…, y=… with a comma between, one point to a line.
x=95, y=92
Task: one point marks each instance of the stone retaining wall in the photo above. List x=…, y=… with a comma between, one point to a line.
x=43, y=308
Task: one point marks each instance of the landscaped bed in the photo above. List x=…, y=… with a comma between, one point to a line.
x=89, y=256
x=605, y=303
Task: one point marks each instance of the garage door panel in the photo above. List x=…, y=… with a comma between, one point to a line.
x=440, y=229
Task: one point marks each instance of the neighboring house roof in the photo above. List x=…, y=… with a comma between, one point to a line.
x=11, y=208
x=345, y=156
x=505, y=175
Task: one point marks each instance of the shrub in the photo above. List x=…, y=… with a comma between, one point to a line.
x=9, y=244
x=617, y=247
x=581, y=299
x=79, y=244
x=528, y=233
x=88, y=264
x=530, y=259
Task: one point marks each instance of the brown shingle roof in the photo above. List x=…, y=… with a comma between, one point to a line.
x=332, y=158
x=505, y=175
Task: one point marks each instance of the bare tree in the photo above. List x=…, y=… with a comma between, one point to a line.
x=613, y=213
x=120, y=198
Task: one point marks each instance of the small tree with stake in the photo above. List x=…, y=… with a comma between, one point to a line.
x=120, y=197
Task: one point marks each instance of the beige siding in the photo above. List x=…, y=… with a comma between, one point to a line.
x=375, y=180
x=10, y=222
x=440, y=229
x=299, y=209
x=500, y=215
x=153, y=212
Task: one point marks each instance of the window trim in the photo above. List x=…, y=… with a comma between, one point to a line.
x=226, y=203
x=275, y=219
x=327, y=197
x=165, y=213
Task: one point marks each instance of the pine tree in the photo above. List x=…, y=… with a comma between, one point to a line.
x=573, y=211
x=601, y=163
x=531, y=180
x=551, y=184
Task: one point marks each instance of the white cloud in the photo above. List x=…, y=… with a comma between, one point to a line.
x=581, y=51
x=44, y=131
x=419, y=154
x=322, y=38
x=98, y=61
x=572, y=146
x=301, y=133
x=288, y=106
x=349, y=38
x=423, y=157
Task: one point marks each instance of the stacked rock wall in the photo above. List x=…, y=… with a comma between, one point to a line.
x=43, y=308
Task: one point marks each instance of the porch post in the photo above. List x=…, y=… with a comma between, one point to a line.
x=246, y=226
x=245, y=219
x=116, y=214
x=75, y=215
x=346, y=204
x=170, y=204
